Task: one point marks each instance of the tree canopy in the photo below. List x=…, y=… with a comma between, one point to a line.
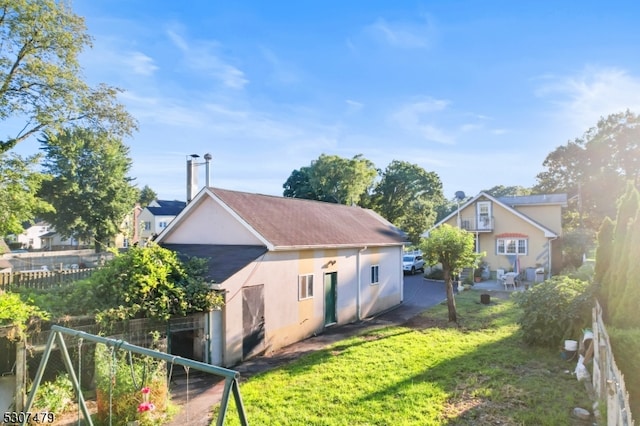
x=595, y=168
x=19, y=183
x=407, y=196
x=89, y=186
x=40, y=76
x=146, y=196
x=332, y=178
x=454, y=249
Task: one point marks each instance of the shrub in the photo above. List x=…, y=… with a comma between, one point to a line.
x=554, y=310
x=435, y=274
x=625, y=344
x=57, y=396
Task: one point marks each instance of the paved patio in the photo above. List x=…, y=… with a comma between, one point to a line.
x=494, y=285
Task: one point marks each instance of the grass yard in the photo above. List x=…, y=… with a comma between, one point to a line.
x=424, y=373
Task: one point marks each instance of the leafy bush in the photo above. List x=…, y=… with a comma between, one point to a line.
x=56, y=397
x=435, y=274
x=18, y=313
x=625, y=344
x=554, y=310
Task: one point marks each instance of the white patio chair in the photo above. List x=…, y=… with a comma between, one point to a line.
x=509, y=280
x=500, y=274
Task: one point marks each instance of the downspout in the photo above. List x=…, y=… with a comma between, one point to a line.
x=358, y=266
x=549, y=255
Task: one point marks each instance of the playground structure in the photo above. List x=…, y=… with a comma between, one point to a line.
x=231, y=385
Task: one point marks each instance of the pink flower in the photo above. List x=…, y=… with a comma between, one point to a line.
x=146, y=406
x=146, y=390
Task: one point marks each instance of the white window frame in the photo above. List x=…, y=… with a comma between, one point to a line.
x=162, y=224
x=305, y=286
x=375, y=274
x=520, y=246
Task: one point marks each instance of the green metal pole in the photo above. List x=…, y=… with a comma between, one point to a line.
x=74, y=378
x=231, y=376
x=39, y=374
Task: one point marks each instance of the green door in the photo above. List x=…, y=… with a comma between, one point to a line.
x=330, y=286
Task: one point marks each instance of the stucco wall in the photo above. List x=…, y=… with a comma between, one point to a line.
x=199, y=225
x=287, y=319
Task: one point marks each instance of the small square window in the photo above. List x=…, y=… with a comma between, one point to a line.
x=375, y=270
x=305, y=286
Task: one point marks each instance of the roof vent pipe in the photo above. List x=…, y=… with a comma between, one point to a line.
x=207, y=159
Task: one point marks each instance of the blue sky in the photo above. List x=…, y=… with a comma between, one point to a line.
x=479, y=92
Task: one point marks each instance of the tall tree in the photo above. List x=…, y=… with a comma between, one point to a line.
x=89, y=187
x=508, y=191
x=299, y=186
x=19, y=183
x=40, y=77
x=146, y=196
x=407, y=196
x=595, y=167
x=454, y=249
x=332, y=178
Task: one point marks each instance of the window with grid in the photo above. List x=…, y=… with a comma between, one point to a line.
x=511, y=246
x=375, y=269
x=305, y=286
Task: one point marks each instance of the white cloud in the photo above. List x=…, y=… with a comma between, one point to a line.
x=140, y=63
x=416, y=117
x=353, y=106
x=403, y=35
x=201, y=56
x=583, y=98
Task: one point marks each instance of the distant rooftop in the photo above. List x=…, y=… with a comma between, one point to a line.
x=534, y=199
x=167, y=208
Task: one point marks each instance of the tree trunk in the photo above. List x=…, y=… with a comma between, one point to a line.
x=451, y=301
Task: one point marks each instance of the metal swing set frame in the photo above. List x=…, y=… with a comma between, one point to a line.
x=231, y=377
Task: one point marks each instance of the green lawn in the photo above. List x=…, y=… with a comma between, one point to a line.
x=427, y=373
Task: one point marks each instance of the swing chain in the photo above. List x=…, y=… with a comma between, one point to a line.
x=133, y=376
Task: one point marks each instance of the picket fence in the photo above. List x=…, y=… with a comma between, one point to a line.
x=42, y=279
x=608, y=381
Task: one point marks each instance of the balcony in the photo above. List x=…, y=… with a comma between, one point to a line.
x=477, y=223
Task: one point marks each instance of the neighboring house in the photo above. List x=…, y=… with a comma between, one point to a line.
x=288, y=267
x=31, y=238
x=129, y=229
x=156, y=217
x=54, y=241
x=517, y=233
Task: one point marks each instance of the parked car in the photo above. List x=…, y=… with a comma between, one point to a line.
x=412, y=262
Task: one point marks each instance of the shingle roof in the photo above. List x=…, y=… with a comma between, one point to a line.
x=167, y=208
x=534, y=199
x=224, y=260
x=290, y=222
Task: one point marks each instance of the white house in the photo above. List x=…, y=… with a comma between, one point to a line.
x=156, y=216
x=288, y=267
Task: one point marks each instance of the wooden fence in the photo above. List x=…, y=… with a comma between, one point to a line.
x=42, y=279
x=608, y=381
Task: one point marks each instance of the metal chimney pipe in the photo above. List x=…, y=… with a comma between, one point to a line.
x=207, y=159
x=192, y=176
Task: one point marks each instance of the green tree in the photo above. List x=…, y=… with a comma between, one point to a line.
x=19, y=183
x=146, y=196
x=507, y=191
x=621, y=260
x=333, y=179
x=626, y=314
x=407, y=196
x=40, y=76
x=603, y=260
x=454, y=249
x=595, y=167
x=89, y=187
x=299, y=186
x=151, y=282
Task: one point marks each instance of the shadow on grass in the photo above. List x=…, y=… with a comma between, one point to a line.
x=498, y=382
